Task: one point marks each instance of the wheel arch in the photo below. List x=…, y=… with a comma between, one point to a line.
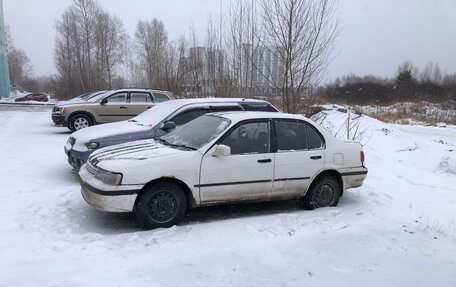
x=191, y=202
x=79, y=112
x=330, y=172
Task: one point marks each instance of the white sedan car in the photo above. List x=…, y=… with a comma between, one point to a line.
x=222, y=158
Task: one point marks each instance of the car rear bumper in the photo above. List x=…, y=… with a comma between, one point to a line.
x=105, y=197
x=353, y=177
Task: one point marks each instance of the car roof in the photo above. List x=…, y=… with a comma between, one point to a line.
x=237, y=116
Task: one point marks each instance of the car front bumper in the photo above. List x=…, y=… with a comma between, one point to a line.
x=59, y=119
x=106, y=197
x=76, y=158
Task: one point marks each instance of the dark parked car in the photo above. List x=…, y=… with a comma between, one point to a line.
x=152, y=124
x=33, y=97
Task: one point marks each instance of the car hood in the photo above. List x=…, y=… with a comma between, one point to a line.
x=133, y=151
x=92, y=133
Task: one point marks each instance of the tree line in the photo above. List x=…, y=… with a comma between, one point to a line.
x=294, y=37
x=409, y=85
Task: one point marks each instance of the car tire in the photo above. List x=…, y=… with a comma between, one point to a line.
x=324, y=191
x=80, y=121
x=160, y=205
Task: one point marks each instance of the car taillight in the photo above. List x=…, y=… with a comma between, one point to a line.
x=361, y=155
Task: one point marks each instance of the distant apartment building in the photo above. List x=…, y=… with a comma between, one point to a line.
x=260, y=69
x=204, y=67
x=4, y=74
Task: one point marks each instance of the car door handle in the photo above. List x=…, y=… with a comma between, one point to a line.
x=123, y=107
x=315, y=157
x=264, y=160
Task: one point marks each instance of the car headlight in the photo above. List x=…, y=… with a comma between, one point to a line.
x=59, y=110
x=92, y=145
x=108, y=177
x=71, y=141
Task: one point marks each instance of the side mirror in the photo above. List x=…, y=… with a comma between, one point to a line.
x=168, y=126
x=221, y=150
x=103, y=101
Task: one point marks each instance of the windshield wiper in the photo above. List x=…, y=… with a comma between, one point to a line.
x=176, y=145
x=187, y=146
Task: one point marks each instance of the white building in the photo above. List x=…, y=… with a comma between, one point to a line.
x=4, y=73
x=260, y=69
x=205, y=66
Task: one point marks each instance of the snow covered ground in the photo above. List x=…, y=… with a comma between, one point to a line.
x=399, y=229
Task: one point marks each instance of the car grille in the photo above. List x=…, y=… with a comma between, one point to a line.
x=55, y=109
x=91, y=168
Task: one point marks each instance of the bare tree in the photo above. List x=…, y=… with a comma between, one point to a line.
x=19, y=66
x=152, y=39
x=110, y=46
x=304, y=33
x=89, y=45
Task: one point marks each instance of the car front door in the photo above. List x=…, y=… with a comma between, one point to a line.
x=245, y=174
x=113, y=108
x=299, y=155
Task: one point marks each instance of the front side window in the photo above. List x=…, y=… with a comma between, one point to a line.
x=118, y=98
x=187, y=116
x=253, y=137
x=291, y=135
x=140, y=98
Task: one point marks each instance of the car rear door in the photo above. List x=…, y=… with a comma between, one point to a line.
x=245, y=174
x=139, y=102
x=299, y=155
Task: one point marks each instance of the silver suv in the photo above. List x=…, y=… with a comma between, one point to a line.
x=111, y=106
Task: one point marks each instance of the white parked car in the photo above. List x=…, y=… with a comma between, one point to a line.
x=219, y=158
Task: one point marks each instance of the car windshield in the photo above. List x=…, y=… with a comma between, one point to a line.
x=156, y=114
x=92, y=95
x=196, y=133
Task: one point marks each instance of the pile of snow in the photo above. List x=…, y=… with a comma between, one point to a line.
x=418, y=112
x=398, y=229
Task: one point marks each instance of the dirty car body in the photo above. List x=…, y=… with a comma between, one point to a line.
x=220, y=158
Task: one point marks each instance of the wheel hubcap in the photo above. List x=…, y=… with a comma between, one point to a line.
x=162, y=206
x=80, y=123
x=324, y=195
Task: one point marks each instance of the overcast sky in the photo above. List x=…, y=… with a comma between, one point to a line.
x=377, y=35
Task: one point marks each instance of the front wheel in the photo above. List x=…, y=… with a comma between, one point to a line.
x=160, y=205
x=325, y=191
x=80, y=121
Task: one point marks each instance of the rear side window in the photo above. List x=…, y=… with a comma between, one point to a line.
x=291, y=135
x=140, y=97
x=315, y=140
x=159, y=97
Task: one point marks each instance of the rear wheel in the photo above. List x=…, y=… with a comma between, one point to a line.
x=160, y=205
x=325, y=191
x=80, y=121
